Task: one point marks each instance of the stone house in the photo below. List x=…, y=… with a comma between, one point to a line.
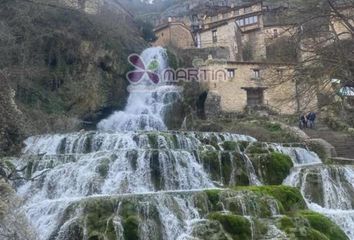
x=254, y=80
x=222, y=35
x=254, y=85
x=174, y=33
x=257, y=28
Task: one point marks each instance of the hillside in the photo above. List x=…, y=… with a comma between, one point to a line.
x=63, y=65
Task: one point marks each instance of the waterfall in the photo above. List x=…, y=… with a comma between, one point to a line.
x=147, y=101
x=327, y=189
x=134, y=173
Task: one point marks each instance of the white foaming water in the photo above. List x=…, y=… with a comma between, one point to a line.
x=328, y=190
x=147, y=101
x=299, y=156
x=126, y=163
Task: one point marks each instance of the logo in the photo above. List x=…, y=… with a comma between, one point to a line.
x=142, y=70
x=202, y=71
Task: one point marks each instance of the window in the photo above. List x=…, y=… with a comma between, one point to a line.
x=247, y=21
x=240, y=22
x=256, y=73
x=215, y=37
x=255, y=97
x=275, y=33
x=231, y=73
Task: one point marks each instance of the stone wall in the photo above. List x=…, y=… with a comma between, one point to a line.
x=228, y=36
x=175, y=34
x=277, y=80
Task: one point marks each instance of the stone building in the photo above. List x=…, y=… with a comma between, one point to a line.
x=255, y=85
x=223, y=35
x=253, y=34
x=174, y=33
x=258, y=28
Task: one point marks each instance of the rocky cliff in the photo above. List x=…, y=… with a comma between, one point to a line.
x=63, y=66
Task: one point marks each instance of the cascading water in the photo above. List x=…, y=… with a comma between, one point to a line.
x=147, y=101
x=132, y=172
x=328, y=189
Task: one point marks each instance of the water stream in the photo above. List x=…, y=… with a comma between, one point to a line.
x=133, y=162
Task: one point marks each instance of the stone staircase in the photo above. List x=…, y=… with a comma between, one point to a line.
x=343, y=143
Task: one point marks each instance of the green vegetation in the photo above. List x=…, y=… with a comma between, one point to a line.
x=211, y=163
x=290, y=198
x=237, y=226
x=324, y=225
x=213, y=197
x=275, y=167
x=99, y=219
x=131, y=228
x=257, y=148
x=153, y=140
x=311, y=225
x=261, y=128
x=229, y=146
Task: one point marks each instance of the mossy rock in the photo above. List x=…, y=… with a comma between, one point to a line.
x=211, y=163
x=324, y=225
x=257, y=148
x=153, y=140
x=289, y=198
x=99, y=219
x=243, y=145
x=156, y=174
x=131, y=227
x=310, y=225
x=274, y=168
x=103, y=168
x=237, y=226
x=229, y=146
x=213, y=197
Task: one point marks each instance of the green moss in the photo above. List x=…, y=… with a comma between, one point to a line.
x=237, y=226
x=243, y=145
x=99, y=219
x=306, y=225
x=229, y=146
x=312, y=234
x=214, y=142
x=275, y=167
x=257, y=148
x=286, y=222
x=226, y=167
x=324, y=225
x=131, y=228
x=272, y=127
x=211, y=163
x=156, y=177
x=153, y=140
x=103, y=168
x=213, y=197
x=127, y=208
x=290, y=198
